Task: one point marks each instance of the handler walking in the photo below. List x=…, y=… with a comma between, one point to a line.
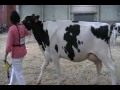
x=16, y=45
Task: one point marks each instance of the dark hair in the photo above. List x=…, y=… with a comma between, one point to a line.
x=14, y=17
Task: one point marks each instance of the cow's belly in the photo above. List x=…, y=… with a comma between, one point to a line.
x=77, y=53
x=78, y=57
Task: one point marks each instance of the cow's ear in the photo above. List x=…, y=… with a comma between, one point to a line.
x=33, y=15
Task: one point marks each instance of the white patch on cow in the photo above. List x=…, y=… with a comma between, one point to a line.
x=71, y=34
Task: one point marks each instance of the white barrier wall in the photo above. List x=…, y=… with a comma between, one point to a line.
x=109, y=13
x=55, y=12
x=83, y=8
x=61, y=12
x=25, y=10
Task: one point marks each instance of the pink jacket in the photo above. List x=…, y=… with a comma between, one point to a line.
x=13, y=39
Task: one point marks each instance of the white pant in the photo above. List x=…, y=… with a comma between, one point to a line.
x=17, y=72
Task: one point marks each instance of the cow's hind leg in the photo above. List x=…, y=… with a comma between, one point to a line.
x=56, y=63
x=58, y=71
x=105, y=57
x=98, y=63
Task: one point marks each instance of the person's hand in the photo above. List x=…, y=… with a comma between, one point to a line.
x=4, y=60
x=29, y=33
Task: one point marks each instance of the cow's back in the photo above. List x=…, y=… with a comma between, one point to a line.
x=76, y=40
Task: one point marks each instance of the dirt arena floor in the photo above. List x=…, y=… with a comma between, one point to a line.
x=80, y=73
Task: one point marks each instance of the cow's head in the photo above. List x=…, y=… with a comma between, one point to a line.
x=28, y=21
x=116, y=28
x=119, y=29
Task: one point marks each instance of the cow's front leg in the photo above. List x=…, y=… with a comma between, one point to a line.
x=43, y=67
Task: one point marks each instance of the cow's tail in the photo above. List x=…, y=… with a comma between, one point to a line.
x=109, y=34
x=109, y=31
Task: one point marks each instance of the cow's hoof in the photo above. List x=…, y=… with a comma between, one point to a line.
x=95, y=83
x=38, y=82
x=59, y=83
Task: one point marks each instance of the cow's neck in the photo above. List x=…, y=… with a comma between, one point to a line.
x=41, y=36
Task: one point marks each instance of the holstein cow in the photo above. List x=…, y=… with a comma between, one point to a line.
x=75, y=41
x=115, y=28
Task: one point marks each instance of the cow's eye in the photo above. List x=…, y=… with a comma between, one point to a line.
x=28, y=21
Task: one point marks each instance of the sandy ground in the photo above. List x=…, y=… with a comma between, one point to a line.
x=80, y=73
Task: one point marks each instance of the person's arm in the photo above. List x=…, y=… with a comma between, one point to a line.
x=26, y=31
x=9, y=45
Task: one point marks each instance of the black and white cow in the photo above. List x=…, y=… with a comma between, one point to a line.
x=75, y=41
x=115, y=28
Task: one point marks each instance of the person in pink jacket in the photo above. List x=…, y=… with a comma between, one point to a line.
x=16, y=45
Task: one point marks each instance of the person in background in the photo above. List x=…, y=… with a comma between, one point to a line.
x=16, y=45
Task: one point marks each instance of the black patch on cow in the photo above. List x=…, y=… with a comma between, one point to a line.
x=43, y=47
x=82, y=42
x=119, y=29
x=56, y=48
x=41, y=35
x=78, y=42
x=71, y=38
x=115, y=28
x=75, y=21
x=101, y=32
x=65, y=50
x=78, y=50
